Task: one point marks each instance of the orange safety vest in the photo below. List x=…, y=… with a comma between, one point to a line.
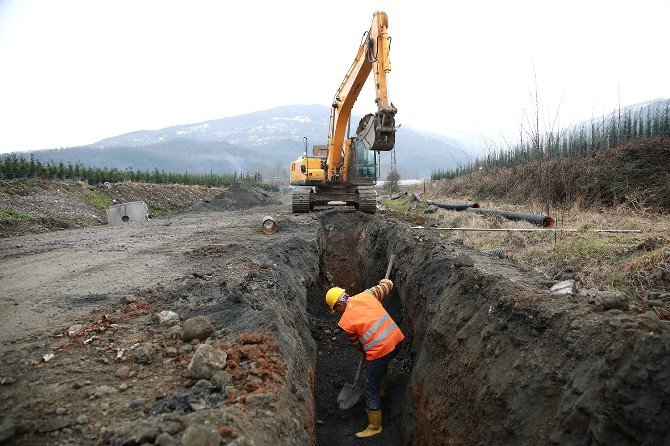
x=366, y=317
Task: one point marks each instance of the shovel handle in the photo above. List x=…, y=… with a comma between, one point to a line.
x=360, y=367
x=388, y=270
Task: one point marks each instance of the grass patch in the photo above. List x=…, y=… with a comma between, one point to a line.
x=6, y=192
x=649, y=270
x=158, y=210
x=97, y=199
x=399, y=205
x=629, y=263
x=10, y=214
x=404, y=204
x=265, y=186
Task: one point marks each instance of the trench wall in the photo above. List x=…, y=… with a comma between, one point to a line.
x=496, y=360
x=263, y=289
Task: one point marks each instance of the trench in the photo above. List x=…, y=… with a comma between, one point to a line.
x=489, y=357
x=345, y=265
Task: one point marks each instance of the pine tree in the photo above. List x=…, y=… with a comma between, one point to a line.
x=393, y=181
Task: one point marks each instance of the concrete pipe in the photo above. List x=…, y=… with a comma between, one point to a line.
x=269, y=226
x=133, y=212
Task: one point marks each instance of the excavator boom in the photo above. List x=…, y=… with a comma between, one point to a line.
x=378, y=132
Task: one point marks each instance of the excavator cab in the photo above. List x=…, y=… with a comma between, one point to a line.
x=364, y=169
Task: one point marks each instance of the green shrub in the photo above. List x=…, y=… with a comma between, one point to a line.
x=11, y=214
x=158, y=210
x=97, y=199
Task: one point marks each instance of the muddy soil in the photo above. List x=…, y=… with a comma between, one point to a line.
x=498, y=359
x=490, y=356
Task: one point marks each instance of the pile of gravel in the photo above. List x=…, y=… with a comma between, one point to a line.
x=237, y=197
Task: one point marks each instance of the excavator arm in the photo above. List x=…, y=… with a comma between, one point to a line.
x=376, y=131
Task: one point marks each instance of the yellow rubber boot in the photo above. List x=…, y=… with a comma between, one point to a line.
x=383, y=385
x=374, y=424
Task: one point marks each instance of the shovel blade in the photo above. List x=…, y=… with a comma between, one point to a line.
x=348, y=396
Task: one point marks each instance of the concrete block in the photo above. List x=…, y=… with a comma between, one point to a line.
x=124, y=213
x=564, y=287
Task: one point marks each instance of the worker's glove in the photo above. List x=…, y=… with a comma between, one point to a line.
x=387, y=282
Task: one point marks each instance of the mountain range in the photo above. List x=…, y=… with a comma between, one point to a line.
x=264, y=141
x=267, y=141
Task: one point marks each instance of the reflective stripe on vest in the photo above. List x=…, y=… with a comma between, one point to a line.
x=381, y=336
x=374, y=328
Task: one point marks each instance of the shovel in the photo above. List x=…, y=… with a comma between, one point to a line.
x=350, y=394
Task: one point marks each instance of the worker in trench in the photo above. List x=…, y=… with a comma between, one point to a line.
x=370, y=329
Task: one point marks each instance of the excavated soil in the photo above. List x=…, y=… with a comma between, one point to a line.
x=237, y=197
x=490, y=356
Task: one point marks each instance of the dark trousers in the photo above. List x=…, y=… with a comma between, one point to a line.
x=374, y=372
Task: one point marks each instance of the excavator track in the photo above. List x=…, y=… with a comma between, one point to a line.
x=300, y=201
x=367, y=201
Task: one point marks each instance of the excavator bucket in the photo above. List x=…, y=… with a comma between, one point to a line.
x=377, y=131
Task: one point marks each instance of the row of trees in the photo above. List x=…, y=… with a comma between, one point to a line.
x=584, y=140
x=17, y=166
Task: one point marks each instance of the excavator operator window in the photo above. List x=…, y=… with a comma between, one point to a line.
x=366, y=161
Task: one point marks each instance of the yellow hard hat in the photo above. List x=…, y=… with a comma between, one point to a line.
x=333, y=294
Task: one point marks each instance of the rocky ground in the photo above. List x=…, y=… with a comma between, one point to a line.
x=198, y=329
x=85, y=349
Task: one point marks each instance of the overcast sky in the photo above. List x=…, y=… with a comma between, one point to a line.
x=73, y=72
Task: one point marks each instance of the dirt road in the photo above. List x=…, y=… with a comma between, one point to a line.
x=53, y=279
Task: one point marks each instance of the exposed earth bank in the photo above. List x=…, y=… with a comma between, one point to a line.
x=491, y=357
x=36, y=205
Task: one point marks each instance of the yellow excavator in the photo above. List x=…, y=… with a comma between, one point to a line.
x=345, y=170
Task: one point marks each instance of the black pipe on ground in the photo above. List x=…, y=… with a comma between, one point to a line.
x=540, y=220
x=398, y=195
x=453, y=207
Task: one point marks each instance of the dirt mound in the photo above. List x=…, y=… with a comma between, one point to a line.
x=252, y=290
x=39, y=205
x=239, y=196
